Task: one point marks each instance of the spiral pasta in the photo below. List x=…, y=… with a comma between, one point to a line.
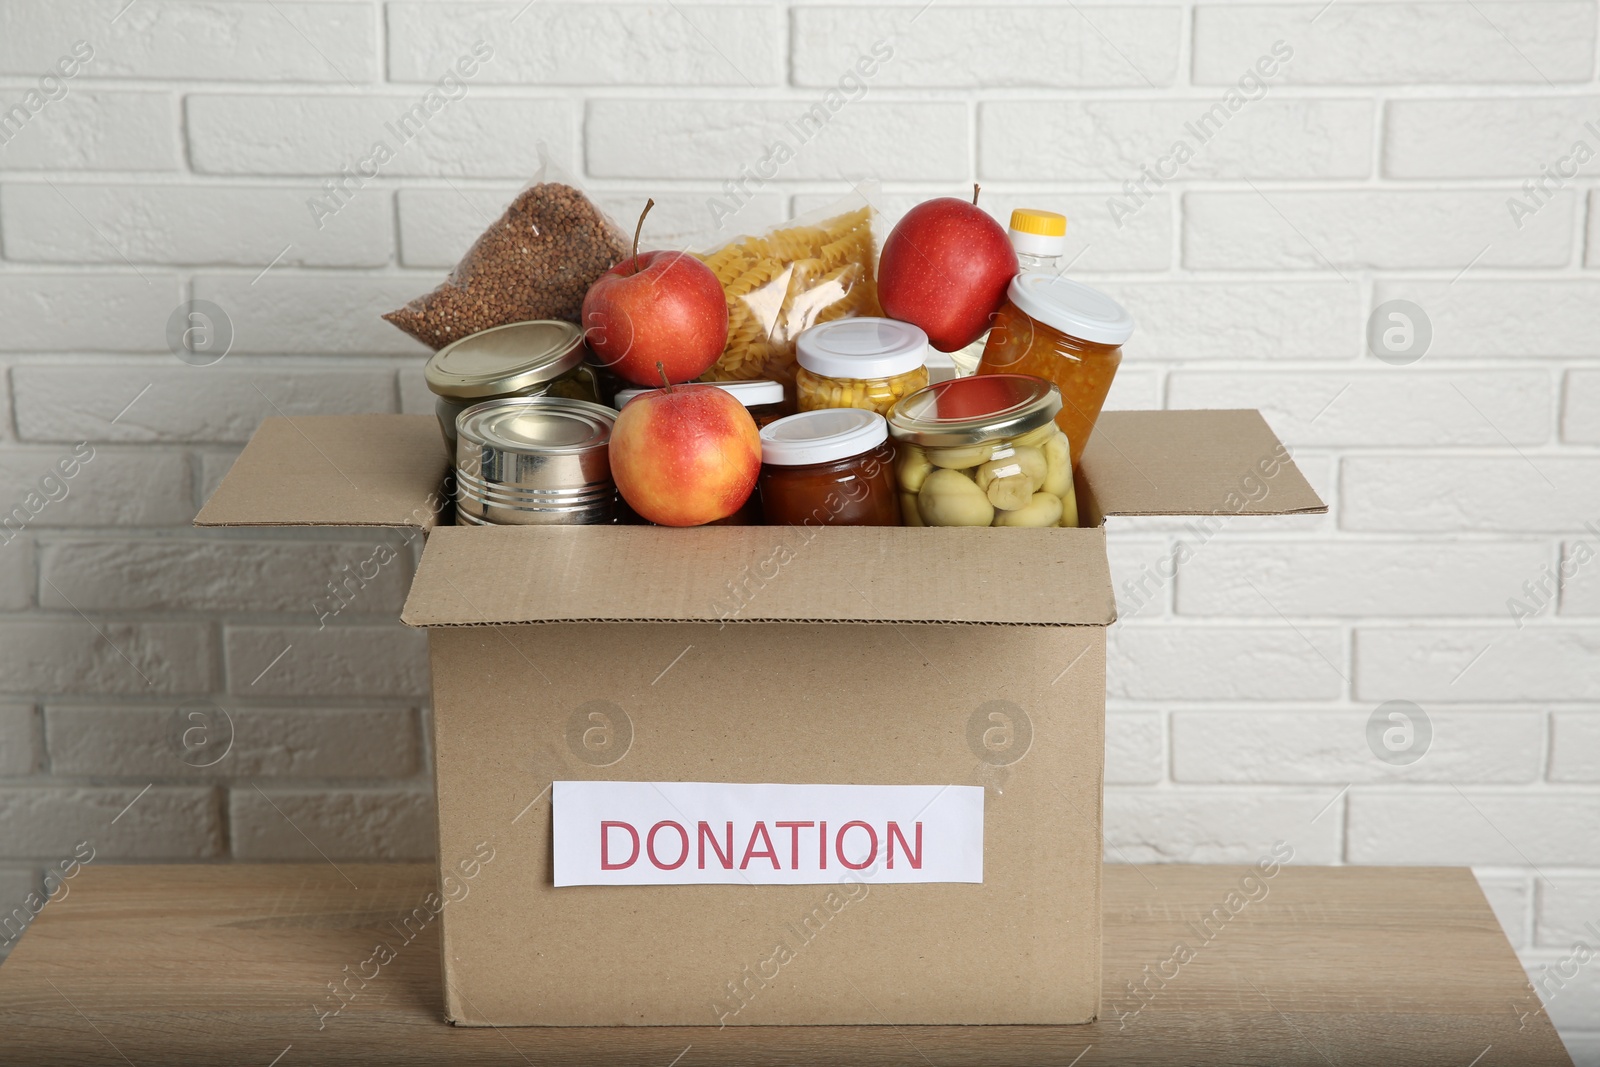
x=785, y=281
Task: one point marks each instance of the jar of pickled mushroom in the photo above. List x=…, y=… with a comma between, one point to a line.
x=861, y=362
x=1064, y=332
x=983, y=451
x=541, y=357
x=829, y=467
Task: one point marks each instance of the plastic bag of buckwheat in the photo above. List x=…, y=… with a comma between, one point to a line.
x=535, y=262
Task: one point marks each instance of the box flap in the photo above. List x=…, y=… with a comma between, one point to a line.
x=335, y=470
x=1190, y=463
x=513, y=574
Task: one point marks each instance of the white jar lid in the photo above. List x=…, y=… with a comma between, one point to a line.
x=751, y=394
x=864, y=347
x=822, y=436
x=1071, y=307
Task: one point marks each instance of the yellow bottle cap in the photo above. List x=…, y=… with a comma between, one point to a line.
x=1043, y=223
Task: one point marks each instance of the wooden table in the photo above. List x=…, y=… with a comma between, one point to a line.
x=229, y=964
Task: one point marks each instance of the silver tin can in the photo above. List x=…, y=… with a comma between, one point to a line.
x=534, y=461
x=542, y=357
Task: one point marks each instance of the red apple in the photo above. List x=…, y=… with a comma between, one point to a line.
x=685, y=455
x=656, y=309
x=945, y=268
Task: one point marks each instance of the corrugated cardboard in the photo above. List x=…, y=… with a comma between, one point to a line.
x=472, y=575
x=336, y=470
x=1189, y=463
x=762, y=654
x=879, y=704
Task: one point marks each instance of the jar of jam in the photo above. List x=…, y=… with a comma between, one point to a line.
x=764, y=400
x=984, y=451
x=829, y=467
x=860, y=362
x=542, y=357
x=1064, y=332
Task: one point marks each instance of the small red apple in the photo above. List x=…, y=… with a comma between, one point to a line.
x=656, y=309
x=945, y=268
x=685, y=455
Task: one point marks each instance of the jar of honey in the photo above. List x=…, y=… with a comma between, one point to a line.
x=863, y=362
x=829, y=467
x=1064, y=332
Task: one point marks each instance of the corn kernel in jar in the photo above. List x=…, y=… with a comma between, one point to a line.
x=984, y=452
x=867, y=363
x=1064, y=332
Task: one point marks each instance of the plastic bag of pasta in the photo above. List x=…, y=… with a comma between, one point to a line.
x=812, y=269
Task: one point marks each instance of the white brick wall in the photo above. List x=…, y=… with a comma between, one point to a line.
x=86, y=402
x=179, y=40
x=361, y=824
x=559, y=44
x=1375, y=230
x=956, y=45
x=1387, y=407
x=93, y=130
x=712, y=138
x=118, y=224
x=1110, y=140
x=86, y=310
x=1491, y=137
x=1379, y=153
x=1404, y=43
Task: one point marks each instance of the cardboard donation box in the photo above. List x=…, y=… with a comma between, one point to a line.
x=765, y=775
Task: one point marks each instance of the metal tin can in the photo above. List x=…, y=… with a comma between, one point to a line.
x=542, y=357
x=535, y=461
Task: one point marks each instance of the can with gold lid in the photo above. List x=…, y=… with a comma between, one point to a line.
x=542, y=357
x=535, y=461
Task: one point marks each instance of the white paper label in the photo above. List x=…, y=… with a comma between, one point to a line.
x=689, y=833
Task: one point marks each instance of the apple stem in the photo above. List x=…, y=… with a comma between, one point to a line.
x=975, y=188
x=661, y=369
x=648, y=204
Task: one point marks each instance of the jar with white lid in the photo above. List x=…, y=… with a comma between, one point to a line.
x=864, y=362
x=828, y=467
x=1064, y=332
x=983, y=451
x=763, y=399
